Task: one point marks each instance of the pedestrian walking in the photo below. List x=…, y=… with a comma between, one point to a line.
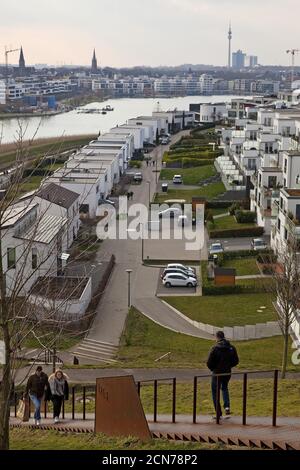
x=222, y=357
x=128, y=196
x=59, y=391
x=131, y=195
x=147, y=163
x=37, y=386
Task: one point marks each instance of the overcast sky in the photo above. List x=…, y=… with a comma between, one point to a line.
x=149, y=32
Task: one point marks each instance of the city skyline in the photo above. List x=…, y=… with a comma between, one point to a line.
x=157, y=35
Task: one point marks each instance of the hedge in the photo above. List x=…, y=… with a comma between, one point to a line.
x=218, y=204
x=36, y=172
x=227, y=255
x=186, y=163
x=245, y=217
x=238, y=232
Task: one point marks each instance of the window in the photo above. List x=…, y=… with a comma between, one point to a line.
x=278, y=224
x=34, y=260
x=272, y=180
x=11, y=258
x=285, y=234
x=285, y=165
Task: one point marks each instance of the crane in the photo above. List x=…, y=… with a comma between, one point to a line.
x=292, y=52
x=8, y=51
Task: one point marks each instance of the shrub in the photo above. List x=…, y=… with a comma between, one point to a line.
x=245, y=217
x=135, y=164
x=267, y=257
x=234, y=207
x=239, y=232
x=218, y=204
x=227, y=255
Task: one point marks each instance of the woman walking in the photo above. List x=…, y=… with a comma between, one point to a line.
x=59, y=391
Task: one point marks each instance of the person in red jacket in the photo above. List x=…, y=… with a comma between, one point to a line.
x=222, y=357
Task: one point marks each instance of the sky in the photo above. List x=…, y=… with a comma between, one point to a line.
x=148, y=32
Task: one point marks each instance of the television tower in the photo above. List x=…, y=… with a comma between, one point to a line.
x=229, y=45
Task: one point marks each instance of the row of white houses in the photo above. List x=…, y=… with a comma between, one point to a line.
x=39, y=229
x=263, y=144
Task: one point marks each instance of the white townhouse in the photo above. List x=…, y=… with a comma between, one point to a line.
x=32, y=245
x=111, y=147
x=157, y=124
x=56, y=200
x=99, y=159
x=90, y=184
x=127, y=141
x=138, y=133
x=176, y=118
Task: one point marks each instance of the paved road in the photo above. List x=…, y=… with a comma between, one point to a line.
x=113, y=308
x=235, y=244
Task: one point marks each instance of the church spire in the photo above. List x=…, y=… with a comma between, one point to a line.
x=21, y=59
x=94, y=63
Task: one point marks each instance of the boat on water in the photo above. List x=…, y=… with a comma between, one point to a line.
x=108, y=108
x=103, y=111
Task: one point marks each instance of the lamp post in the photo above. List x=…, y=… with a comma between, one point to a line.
x=129, y=271
x=149, y=187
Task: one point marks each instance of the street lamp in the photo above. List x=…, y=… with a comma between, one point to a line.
x=129, y=271
x=149, y=183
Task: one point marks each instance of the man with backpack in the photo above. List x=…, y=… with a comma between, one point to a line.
x=222, y=357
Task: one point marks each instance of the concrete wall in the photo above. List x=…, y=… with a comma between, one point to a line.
x=70, y=309
x=236, y=333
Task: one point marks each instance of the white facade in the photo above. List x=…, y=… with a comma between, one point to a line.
x=206, y=84
x=138, y=134
x=90, y=184
x=31, y=246
x=2, y=92
x=212, y=112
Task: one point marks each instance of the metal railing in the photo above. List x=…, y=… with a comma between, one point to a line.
x=245, y=375
x=85, y=393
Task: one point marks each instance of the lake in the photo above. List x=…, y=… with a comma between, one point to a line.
x=73, y=123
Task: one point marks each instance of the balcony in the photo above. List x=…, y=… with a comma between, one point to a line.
x=293, y=226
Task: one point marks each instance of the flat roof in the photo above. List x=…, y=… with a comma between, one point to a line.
x=271, y=169
x=60, y=287
x=292, y=153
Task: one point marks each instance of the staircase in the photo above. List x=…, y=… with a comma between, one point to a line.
x=95, y=351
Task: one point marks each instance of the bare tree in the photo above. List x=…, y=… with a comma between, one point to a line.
x=284, y=285
x=23, y=312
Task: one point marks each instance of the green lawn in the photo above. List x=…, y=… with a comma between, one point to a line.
x=209, y=192
x=259, y=398
x=224, y=310
x=243, y=266
x=227, y=222
x=31, y=183
x=38, y=439
x=189, y=175
x=143, y=341
x=41, y=147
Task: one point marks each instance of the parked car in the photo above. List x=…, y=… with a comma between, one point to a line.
x=179, y=280
x=138, y=177
x=171, y=212
x=165, y=141
x=189, y=269
x=178, y=271
x=216, y=248
x=258, y=244
x=177, y=179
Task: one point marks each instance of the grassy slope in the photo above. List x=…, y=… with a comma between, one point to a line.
x=209, y=192
x=144, y=341
x=189, y=175
x=224, y=310
x=32, y=439
x=259, y=400
x=42, y=147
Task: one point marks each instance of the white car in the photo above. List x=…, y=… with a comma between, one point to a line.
x=216, y=248
x=177, y=271
x=258, y=244
x=138, y=177
x=177, y=179
x=179, y=280
x=188, y=269
x=171, y=212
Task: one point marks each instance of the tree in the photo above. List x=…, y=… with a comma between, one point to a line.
x=284, y=286
x=23, y=311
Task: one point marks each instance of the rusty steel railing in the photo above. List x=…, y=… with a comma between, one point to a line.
x=81, y=391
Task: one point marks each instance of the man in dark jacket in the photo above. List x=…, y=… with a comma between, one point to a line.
x=36, y=387
x=222, y=357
